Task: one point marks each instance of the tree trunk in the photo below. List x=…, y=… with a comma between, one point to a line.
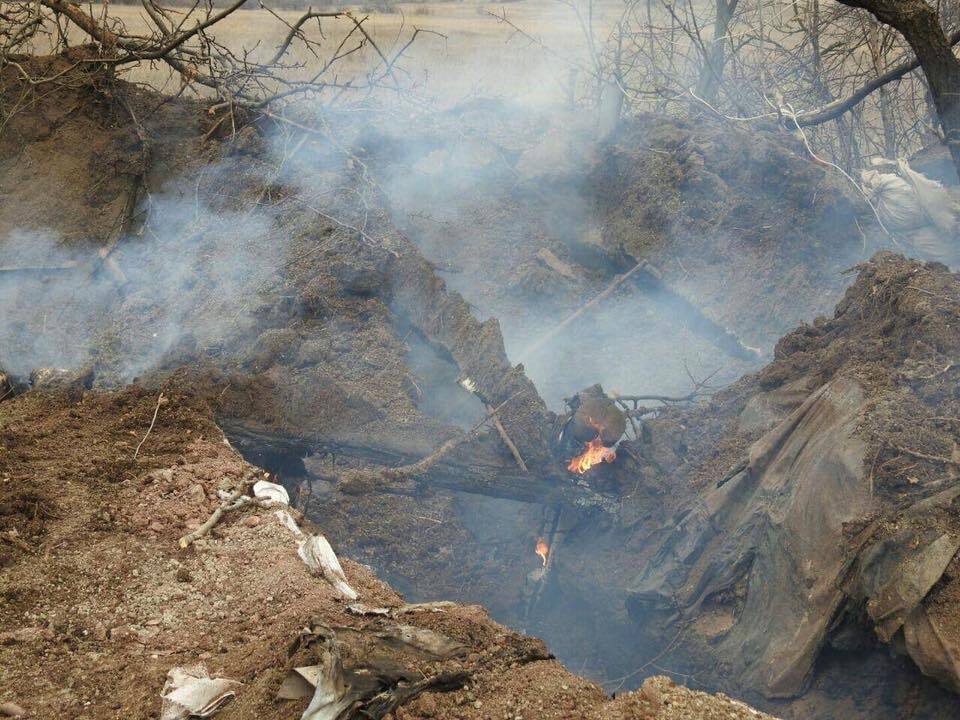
x=711, y=75
x=920, y=26
x=887, y=117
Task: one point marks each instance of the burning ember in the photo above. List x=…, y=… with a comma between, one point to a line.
x=595, y=453
x=542, y=550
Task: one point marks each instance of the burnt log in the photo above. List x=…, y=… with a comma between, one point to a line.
x=476, y=467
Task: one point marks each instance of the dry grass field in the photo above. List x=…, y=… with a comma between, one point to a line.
x=467, y=51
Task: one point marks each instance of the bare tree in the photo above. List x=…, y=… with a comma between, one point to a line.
x=252, y=78
x=715, y=52
x=920, y=25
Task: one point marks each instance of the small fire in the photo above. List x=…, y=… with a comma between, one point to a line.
x=542, y=550
x=595, y=453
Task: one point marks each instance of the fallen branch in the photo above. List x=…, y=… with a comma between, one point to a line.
x=925, y=456
x=659, y=398
x=404, y=472
x=698, y=322
x=40, y=269
x=228, y=504
x=553, y=545
x=478, y=469
x=617, y=282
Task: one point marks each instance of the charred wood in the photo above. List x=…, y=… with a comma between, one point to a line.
x=474, y=468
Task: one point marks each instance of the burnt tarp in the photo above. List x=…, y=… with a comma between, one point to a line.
x=895, y=576
x=776, y=527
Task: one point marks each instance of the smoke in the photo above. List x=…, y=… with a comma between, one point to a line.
x=188, y=284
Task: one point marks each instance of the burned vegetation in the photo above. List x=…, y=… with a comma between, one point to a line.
x=328, y=414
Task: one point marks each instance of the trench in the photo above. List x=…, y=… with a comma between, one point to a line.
x=475, y=549
x=470, y=548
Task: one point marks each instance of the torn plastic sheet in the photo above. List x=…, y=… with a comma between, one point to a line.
x=190, y=692
x=330, y=697
x=316, y=552
x=420, y=640
x=375, y=685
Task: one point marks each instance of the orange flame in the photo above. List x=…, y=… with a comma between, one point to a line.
x=594, y=454
x=542, y=550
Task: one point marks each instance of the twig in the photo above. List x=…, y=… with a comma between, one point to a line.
x=404, y=472
x=509, y=443
x=160, y=400
x=16, y=542
x=932, y=294
x=925, y=456
x=228, y=504
x=667, y=648
x=947, y=368
x=40, y=268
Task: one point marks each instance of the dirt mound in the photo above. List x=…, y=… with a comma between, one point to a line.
x=742, y=221
x=296, y=318
x=822, y=508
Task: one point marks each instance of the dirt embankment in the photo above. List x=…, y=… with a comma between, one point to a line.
x=820, y=520
x=742, y=220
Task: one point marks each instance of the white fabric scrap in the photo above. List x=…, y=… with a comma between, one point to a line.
x=191, y=692
x=895, y=200
x=316, y=552
x=266, y=490
x=289, y=523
